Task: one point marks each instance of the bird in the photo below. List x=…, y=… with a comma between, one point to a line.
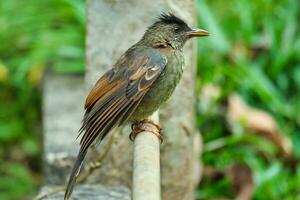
x=143, y=78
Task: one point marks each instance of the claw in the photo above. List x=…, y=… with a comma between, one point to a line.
x=141, y=126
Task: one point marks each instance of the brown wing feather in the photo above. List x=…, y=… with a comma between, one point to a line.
x=113, y=99
x=98, y=91
x=116, y=96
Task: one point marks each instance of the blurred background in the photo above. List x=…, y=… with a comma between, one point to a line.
x=248, y=90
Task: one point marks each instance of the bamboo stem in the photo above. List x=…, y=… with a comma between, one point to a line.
x=146, y=165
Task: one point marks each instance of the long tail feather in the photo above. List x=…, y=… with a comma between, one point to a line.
x=74, y=174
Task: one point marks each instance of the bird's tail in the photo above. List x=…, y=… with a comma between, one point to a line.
x=74, y=173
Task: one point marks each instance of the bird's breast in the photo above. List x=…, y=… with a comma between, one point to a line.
x=162, y=88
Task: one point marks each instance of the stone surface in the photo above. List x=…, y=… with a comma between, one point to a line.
x=113, y=26
x=63, y=97
x=91, y=192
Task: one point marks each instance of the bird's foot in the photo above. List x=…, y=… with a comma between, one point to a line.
x=145, y=125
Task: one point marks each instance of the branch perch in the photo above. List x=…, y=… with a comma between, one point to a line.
x=146, y=164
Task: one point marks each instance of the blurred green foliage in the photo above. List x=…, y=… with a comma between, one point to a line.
x=33, y=35
x=253, y=50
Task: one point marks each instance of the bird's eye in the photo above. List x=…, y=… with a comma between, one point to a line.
x=176, y=29
x=162, y=46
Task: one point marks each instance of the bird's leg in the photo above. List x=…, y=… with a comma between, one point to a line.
x=147, y=120
x=145, y=125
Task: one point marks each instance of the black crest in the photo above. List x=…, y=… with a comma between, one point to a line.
x=169, y=18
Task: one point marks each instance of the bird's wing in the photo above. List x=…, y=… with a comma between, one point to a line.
x=117, y=94
x=114, y=98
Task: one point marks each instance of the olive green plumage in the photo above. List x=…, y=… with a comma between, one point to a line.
x=142, y=79
x=163, y=87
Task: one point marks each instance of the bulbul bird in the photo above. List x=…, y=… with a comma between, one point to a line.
x=141, y=80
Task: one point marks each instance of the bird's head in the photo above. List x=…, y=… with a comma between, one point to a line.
x=170, y=31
